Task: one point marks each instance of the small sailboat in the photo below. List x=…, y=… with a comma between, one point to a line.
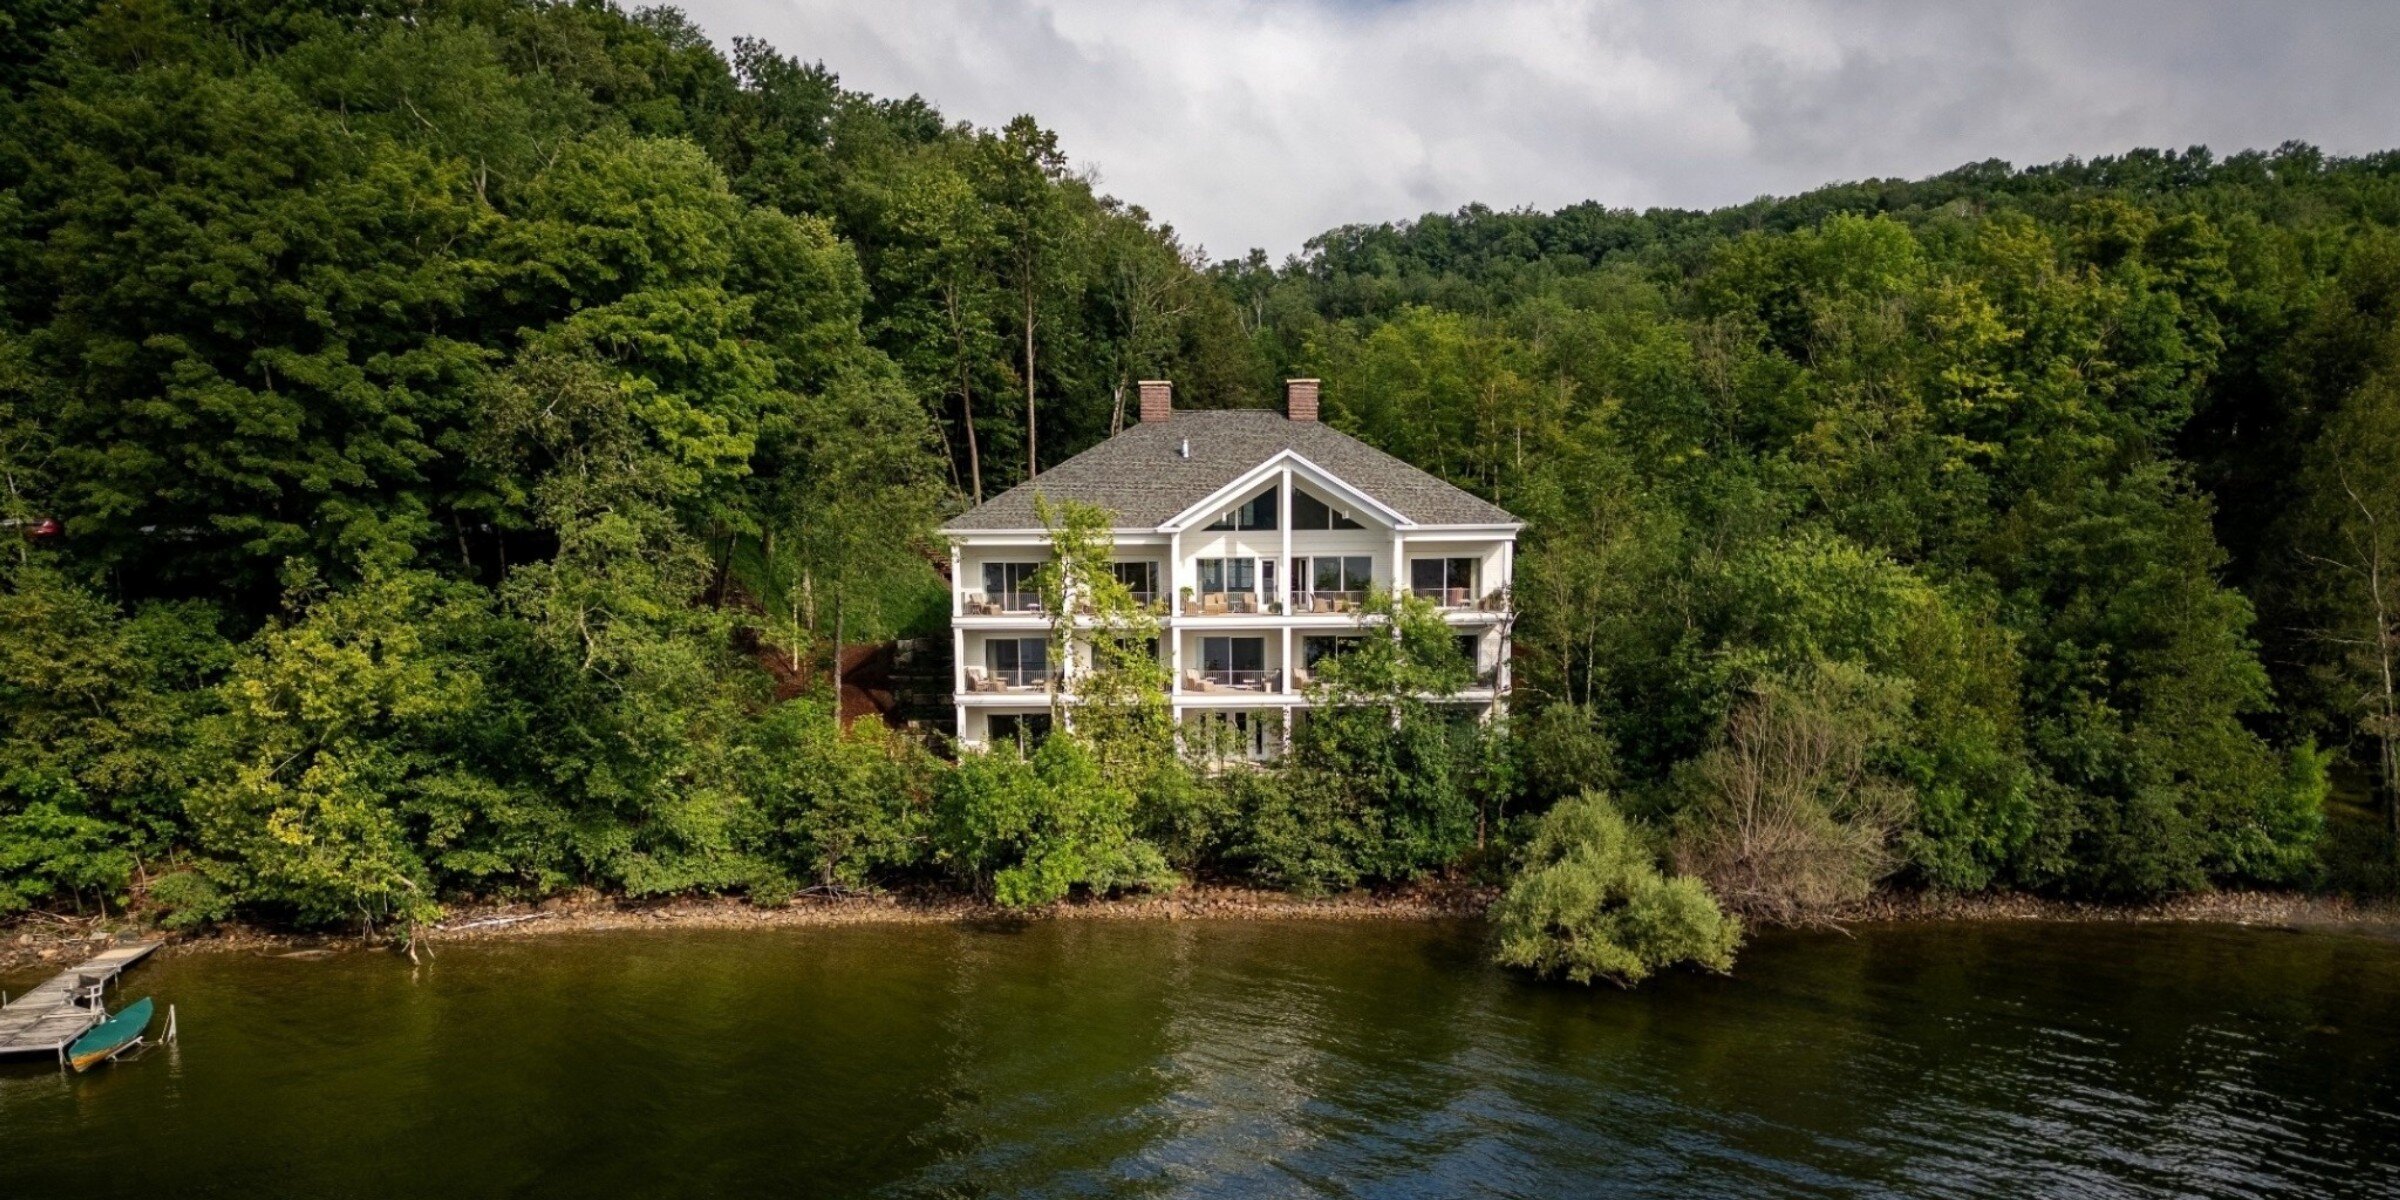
x=109, y=1038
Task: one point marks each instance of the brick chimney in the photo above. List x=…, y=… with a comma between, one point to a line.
x=1158, y=400
x=1300, y=399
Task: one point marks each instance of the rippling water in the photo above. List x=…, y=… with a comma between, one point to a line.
x=1224, y=1059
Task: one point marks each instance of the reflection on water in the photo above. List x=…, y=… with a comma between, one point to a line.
x=1207, y=1059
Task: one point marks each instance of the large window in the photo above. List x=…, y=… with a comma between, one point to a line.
x=1449, y=581
x=1133, y=650
x=1315, y=649
x=1238, y=662
x=1140, y=578
x=1328, y=583
x=1018, y=662
x=1232, y=735
x=1010, y=585
x=1470, y=648
x=1228, y=575
x=1026, y=730
x=1256, y=513
x=1350, y=573
x=1308, y=512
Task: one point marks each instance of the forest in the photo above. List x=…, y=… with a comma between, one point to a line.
x=435, y=433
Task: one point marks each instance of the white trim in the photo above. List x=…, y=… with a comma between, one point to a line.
x=1282, y=460
x=1461, y=533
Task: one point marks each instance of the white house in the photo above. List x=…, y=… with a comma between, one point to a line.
x=1259, y=534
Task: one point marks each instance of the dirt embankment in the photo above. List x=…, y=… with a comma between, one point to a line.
x=59, y=942
x=34, y=942
x=2284, y=910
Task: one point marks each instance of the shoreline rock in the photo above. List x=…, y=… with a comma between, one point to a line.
x=28, y=944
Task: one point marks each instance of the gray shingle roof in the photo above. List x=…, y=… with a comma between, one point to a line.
x=1139, y=475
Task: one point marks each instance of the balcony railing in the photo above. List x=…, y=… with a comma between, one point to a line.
x=1144, y=600
x=1011, y=679
x=1329, y=600
x=1226, y=679
x=1465, y=599
x=1226, y=604
x=992, y=604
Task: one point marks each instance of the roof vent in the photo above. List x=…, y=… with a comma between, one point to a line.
x=1184, y=450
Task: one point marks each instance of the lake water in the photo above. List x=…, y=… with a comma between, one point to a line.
x=1244, y=1059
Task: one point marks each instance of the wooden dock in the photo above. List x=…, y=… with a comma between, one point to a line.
x=47, y=1019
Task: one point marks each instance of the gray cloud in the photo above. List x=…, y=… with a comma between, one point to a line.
x=1260, y=123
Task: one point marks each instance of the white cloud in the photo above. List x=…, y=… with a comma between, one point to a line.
x=1255, y=122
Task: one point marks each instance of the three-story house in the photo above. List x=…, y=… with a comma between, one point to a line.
x=1258, y=536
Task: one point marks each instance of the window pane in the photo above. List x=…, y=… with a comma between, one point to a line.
x=1212, y=574
x=1033, y=653
x=1216, y=654
x=1308, y=512
x=1249, y=654
x=1263, y=510
x=1425, y=573
x=1239, y=573
x=1329, y=574
x=1358, y=573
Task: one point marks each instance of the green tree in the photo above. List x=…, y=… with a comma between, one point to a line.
x=1590, y=903
x=2352, y=550
x=840, y=806
x=1028, y=831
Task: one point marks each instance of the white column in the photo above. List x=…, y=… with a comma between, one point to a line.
x=1283, y=569
x=958, y=673
x=958, y=581
x=1508, y=620
x=1171, y=629
x=1283, y=576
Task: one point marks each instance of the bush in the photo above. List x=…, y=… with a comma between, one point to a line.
x=189, y=899
x=1027, y=831
x=1590, y=903
x=836, y=805
x=1301, y=830
x=1791, y=816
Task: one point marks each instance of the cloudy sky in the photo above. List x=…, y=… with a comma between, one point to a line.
x=1255, y=123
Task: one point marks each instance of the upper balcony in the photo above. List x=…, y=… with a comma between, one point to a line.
x=1465, y=600
x=999, y=604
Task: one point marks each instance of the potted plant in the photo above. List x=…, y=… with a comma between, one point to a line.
x=1191, y=608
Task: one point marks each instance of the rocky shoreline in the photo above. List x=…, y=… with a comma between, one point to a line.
x=30, y=943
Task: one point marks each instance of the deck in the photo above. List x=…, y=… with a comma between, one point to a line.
x=46, y=1019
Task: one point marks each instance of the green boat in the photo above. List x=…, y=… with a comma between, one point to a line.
x=109, y=1038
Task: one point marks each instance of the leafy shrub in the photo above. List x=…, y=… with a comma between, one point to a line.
x=1028, y=831
x=1302, y=830
x=1790, y=816
x=836, y=806
x=189, y=899
x=1590, y=904
x=46, y=851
